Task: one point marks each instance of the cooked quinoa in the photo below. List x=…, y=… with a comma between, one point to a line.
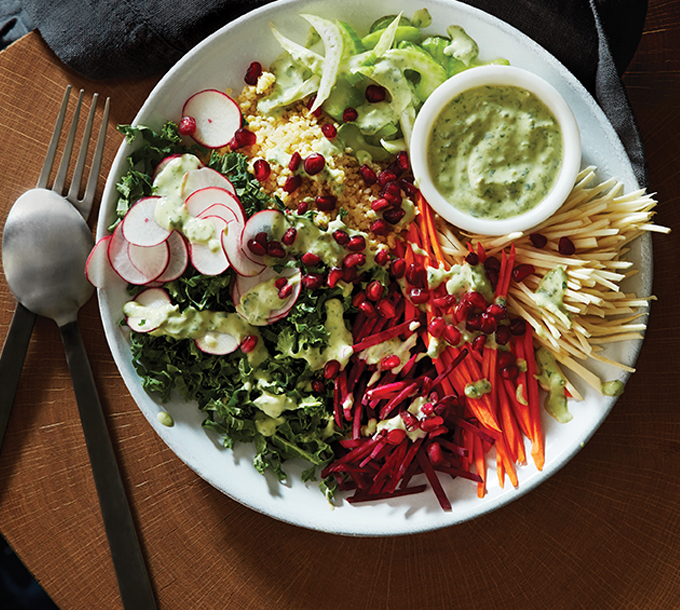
x=296, y=129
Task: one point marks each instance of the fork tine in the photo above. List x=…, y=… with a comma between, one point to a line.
x=85, y=205
x=52, y=148
x=60, y=178
x=80, y=163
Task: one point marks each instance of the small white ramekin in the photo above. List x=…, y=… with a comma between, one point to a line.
x=499, y=76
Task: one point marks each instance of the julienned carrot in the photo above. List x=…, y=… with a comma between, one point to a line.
x=538, y=447
x=521, y=410
x=501, y=276
x=508, y=465
x=480, y=462
x=513, y=436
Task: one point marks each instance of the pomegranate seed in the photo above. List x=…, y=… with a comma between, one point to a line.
x=402, y=160
x=478, y=343
x=280, y=282
x=312, y=281
x=275, y=250
x=368, y=175
x=390, y=362
x=292, y=184
x=428, y=409
x=242, y=138
x=398, y=268
x=368, y=309
x=341, y=237
x=492, y=276
x=502, y=335
x=386, y=308
x=379, y=227
x=452, y=335
x=392, y=192
x=510, y=372
x=295, y=161
x=462, y=310
x=356, y=259
x=409, y=419
x=566, y=247
x=396, y=436
x=349, y=115
x=356, y=243
x=261, y=170
x=302, y=207
x=475, y=299
x=349, y=275
x=436, y=326
x=286, y=291
x=416, y=275
x=506, y=359
x=498, y=311
x=444, y=302
x=474, y=323
x=314, y=163
x=489, y=323
x=249, y=344
x=331, y=369
x=394, y=215
x=289, y=237
x=318, y=386
x=382, y=257
x=434, y=454
x=187, y=126
x=310, y=259
x=408, y=187
x=431, y=423
x=375, y=290
x=380, y=204
x=256, y=248
x=375, y=93
x=253, y=72
x=419, y=296
x=492, y=263
x=522, y=271
x=518, y=327
x=262, y=238
x=326, y=203
x=539, y=241
x=386, y=176
x=334, y=276
x=358, y=298
x=310, y=103
x=472, y=259
x=329, y=130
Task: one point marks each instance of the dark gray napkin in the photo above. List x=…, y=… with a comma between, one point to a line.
x=103, y=39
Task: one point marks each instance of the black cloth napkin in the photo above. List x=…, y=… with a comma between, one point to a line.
x=105, y=39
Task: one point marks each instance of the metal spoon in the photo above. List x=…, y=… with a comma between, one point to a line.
x=45, y=246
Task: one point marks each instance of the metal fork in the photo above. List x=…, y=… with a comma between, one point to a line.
x=30, y=278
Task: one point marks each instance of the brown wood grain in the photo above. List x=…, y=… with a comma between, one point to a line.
x=604, y=532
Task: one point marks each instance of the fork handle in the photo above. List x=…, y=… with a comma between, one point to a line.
x=12, y=361
x=133, y=579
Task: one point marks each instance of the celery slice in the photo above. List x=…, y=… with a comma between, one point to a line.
x=334, y=45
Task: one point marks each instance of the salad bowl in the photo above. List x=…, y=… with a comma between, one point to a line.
x=220, y=62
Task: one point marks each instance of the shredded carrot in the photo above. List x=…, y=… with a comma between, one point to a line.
x=538, y=445
x=480, y=462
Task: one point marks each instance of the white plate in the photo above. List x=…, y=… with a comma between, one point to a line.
x=220, y=62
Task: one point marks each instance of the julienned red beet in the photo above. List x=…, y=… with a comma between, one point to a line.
x=386, y=308
x=253, y=73
x=187, y=126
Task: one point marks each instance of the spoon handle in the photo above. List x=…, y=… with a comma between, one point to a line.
x=12, y=361
x=133, y=579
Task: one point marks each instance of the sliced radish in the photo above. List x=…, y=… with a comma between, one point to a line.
x=179, y=258
x=162, y=165
x=214, y=342
x=222, y=211
x=265, y=221
x=197, y=179
x=233, y=244
x=210, y=260
x=217, y=117
x=136, y=264
x=98, y=268
x=243, y=285
x=153, y=298
x=204, y=198
x=139, y=225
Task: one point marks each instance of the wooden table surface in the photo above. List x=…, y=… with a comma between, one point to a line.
x=604, y=532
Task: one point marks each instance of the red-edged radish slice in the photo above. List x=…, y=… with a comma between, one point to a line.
x=179, y=258
x=206, y=258
x=265, y=221
x=197, y=179
x=206, y=197
x=147, y=265
x=139, y=225
x=279, y=307
x=163, y=164
x=98, y=269
x=232, y=242
x=222, y=211
x=152, y=298
x=217, y=117
x=217, y=343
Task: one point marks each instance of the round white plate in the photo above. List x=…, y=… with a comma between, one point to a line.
x=220, y=62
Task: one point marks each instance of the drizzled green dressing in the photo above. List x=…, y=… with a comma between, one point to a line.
x=495, y=151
